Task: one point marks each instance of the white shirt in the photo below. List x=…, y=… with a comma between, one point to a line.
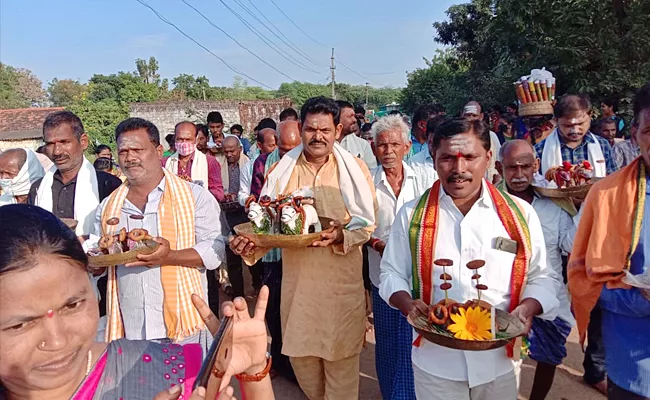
x=360, y=148
x=495, y=146
x=462, y=239
x=388, y=205
x=559, y=229
x=245, y=179
x=422, y=164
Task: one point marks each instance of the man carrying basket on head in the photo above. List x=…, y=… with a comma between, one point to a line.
x=475, y=221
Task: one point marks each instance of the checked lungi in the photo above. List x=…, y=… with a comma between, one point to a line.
x=547, y=340
x=394, y=337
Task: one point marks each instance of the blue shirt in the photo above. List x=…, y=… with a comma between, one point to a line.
x=626, y=323
x=416, y=147
x=581, y=153
x=246, y=144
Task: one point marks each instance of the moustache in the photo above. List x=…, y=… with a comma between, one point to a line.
x=60, y=158
x=132, y=165
x=316, y=141
x=519, y=180
x=462, y=176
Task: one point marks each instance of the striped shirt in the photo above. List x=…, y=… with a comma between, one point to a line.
x=140, y=289
x=581, y=153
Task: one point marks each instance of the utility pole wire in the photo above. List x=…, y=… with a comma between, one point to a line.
x=296, y=25
x=287, y=42
x=236, y=41
x=165, y=20
x=267, y=41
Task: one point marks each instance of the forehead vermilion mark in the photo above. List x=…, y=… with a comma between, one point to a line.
x=459, y=155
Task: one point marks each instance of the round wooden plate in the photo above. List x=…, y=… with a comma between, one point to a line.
x=107, y=260
x=281, y=241
x=510, y=328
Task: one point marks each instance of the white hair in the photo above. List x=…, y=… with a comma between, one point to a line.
x=390, y=123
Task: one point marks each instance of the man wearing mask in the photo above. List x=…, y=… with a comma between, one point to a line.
x=193, y=165
x=349, y=140
x=72, y=188
x=19, y=169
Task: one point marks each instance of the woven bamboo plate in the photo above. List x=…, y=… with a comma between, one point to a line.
x=70, y=223
x=107, y=260
x=536, y=108
x=281, y=241
x=577, y=192
x=509, y=328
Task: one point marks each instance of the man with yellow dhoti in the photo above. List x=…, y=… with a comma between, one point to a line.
x=463, y=218
x=323, y=301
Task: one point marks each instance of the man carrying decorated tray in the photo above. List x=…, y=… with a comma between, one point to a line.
x=572, y=142
x=547, y=339
x=323, y=304
x=464, y=218
x=150, y=298
x=396, y=183
x=613, y=239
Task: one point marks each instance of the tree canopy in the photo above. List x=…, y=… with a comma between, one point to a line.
x=597, y=47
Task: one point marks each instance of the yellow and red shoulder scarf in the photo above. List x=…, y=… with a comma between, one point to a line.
x=423, y=231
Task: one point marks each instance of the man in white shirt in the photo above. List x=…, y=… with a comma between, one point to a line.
x=547, y=338
x=395, y=184
x=473, y=112
x=422, y=162
x=349, y=140
x=470, y=214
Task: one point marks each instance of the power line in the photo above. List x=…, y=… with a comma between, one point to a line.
x=165, y=20
x=267, y=41
x=284, y=39
x=316, y=41
x=296, y=25
x=236, y=41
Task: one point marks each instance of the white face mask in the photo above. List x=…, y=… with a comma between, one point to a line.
x=20, y=184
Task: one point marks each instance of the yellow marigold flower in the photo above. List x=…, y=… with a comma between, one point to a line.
x=471, y=324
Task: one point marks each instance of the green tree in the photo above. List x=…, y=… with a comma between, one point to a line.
x=64, y=92
x=148, y=71
x=100, y=118
x=9, y=95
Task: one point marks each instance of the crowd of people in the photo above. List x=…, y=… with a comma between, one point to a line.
x=400, y=193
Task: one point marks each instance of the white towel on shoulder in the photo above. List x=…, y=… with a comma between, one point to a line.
x=86, y=196
x=199, y=167
x=552, y=154
x=352, y=181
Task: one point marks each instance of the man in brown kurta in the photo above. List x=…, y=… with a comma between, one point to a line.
x=323, y=302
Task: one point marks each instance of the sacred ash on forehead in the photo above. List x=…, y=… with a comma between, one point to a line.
x=457, y=144
x=471, y=109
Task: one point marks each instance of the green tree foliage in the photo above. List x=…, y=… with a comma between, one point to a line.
x=598, y=47
x=19, y=87
x=100, y=118
x=65, y=92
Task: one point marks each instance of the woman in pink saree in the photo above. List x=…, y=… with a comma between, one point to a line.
x=49, y=316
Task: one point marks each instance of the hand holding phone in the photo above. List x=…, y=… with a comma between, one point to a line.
x=217, y=361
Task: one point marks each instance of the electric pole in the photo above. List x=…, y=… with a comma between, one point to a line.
x=366, y=105
x=332, y=68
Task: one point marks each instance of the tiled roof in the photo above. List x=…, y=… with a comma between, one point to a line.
x=24, y=119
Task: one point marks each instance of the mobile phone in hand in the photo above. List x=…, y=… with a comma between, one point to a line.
x=217, y=360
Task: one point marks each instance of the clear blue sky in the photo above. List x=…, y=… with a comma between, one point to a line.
x=77, y=38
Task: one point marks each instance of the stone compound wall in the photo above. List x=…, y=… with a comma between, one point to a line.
x=165, y=115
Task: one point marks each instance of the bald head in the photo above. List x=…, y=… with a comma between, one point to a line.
x=267, y=139
x=11, y=161
x=289, y=136
x=232, y=149
x=519, y=164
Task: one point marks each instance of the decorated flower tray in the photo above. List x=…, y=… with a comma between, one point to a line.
x=280, y=241
x=577, y=192
x=107, y=260
x=508, y=327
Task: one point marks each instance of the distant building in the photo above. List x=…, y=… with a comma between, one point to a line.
x=165, y=115
x=23, y=127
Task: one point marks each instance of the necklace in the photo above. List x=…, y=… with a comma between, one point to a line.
x=89, y=363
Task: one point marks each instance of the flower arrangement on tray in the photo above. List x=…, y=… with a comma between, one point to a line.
x=567, y=180
x=472, y=325
x=123, y=247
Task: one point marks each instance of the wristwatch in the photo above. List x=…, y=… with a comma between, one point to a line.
x=258, y=376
